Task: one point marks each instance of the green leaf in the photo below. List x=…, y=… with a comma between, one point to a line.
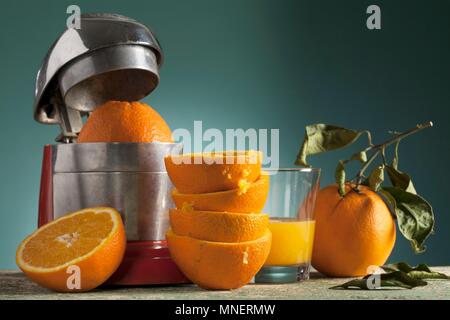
x=421, y=271
x=376, y=178
x=395, y=160
x=340, y=177
x=360, y=156
x=400, y=179
x=415, y=216
x=390, y=201
x=323, y=137
x=394, y=279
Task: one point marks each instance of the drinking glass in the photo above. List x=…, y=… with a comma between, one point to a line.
x=290, y=205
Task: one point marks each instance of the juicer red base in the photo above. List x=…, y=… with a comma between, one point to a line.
x=144, y=263
x=147, y=262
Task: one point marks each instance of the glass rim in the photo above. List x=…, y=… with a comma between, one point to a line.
x=308, y=170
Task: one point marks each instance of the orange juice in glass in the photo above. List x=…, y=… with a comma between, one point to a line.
x=290, y=205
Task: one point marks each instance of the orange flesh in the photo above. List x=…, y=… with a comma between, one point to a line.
x=69, y=239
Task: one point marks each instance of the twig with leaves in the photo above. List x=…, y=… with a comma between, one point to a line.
x=414, y=214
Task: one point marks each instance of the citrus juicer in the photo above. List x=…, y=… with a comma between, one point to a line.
x=111, y=57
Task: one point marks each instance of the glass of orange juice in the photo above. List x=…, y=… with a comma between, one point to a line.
x=290, y=205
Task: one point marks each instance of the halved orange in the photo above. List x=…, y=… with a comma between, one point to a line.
x=212, y=172
x=218, y=226
x=248, y=198
x=90, y=242
x=219, y=265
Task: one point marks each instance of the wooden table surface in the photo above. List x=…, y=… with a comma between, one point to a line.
x=14, y=285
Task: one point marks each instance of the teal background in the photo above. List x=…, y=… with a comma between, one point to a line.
x=254, y=64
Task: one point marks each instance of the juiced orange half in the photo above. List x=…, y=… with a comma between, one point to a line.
x=213, y=172
x=246, y=198
x=219, y=265
x=218, y=226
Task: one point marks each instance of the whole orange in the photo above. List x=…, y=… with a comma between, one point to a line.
x=352, y=233
x=121, y=121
